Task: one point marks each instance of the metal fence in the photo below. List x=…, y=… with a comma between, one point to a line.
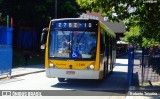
x=5, y=50
x=5, y=35
x=150, y=66
x=5, y=59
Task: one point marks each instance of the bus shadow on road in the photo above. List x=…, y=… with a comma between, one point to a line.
x=78, y=84
x=115, y=82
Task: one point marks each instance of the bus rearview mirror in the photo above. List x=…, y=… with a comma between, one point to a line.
x=44, y=38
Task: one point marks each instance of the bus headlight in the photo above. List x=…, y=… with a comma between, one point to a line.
x=51, y=65
x=90, y=67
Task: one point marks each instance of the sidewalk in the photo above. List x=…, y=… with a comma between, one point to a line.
x=137, y=88
x=24, y=70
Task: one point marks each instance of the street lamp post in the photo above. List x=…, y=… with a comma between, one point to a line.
x=55, y=9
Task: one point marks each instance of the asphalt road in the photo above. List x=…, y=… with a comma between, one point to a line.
x=109, y=89
x=114, y=85
x=38, y=81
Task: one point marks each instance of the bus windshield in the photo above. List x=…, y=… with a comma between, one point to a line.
x=72, y=44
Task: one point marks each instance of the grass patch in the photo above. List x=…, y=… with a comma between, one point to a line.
x=34, y=58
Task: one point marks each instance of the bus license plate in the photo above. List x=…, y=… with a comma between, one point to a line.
x=70, y=72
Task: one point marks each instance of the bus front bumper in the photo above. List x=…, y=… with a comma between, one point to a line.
x=75, y=74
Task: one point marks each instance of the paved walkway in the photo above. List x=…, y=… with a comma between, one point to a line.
x=24, y=70
x=137, y=88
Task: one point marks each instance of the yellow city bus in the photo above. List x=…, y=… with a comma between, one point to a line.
x=79, y=49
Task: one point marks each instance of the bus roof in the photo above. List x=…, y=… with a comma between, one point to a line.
x=72, y=19
x=109, y=31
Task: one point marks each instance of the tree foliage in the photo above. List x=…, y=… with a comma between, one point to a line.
x=133, y=36
x=38, y=13
x=115, y=10
x=143, y=13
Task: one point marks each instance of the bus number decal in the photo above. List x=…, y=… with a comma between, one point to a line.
x=75, y=25
x=65, y=24
x=59, y=24
x=90, y=24
x=85, y=25
x=70, y=24
x=80, y=64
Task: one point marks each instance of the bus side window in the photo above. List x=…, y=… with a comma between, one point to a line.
x=111, y=45
x=102, y=45
x=107, y=44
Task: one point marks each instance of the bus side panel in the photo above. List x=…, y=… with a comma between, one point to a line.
x=114, y=53
x=47, y=49
x=97, y=67
x=103, y=58
x=110, y=54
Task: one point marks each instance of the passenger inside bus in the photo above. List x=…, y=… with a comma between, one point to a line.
x=92, y=52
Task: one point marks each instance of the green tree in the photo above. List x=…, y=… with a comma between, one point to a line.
x=143, y=13
x=69, y=9
x=37, y=13
x=133, y=36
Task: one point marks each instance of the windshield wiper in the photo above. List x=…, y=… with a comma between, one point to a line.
x=78, y=41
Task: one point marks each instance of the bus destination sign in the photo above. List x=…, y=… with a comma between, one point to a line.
x=73, y=25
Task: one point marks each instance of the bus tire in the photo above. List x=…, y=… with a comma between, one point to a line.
x=111, y=69
x=61, y=79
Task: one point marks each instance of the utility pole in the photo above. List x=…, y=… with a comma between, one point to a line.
x=55, y=9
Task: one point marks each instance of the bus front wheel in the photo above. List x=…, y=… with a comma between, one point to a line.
x=61, y=79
